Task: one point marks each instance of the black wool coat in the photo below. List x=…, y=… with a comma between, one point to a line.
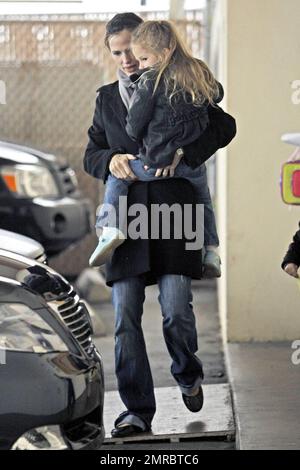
x=293, y=253
x=150, y=258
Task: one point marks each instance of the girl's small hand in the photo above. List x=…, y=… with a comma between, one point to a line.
x=170, y=169
x=292, y=269
x=159, y=171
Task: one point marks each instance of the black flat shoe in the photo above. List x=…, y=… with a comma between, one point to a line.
x=195, y=402
x=124, y=431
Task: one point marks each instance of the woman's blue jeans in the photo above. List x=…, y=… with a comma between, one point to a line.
x=133, y=371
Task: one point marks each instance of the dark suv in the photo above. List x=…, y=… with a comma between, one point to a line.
x=39, y=197
x=51, y=374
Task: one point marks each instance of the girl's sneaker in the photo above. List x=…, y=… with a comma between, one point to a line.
x=211, y=265
x=110, y=239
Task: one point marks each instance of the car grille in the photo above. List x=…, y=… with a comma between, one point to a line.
x=42, y=259
x=67, y=178
x=75, y=315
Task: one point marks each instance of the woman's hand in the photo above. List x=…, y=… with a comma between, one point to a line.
x=119, y=166
x=292, y=269
x=170, y=169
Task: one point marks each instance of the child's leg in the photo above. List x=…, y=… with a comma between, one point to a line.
x=109, y=217
x=115, y=187
x=109, y=211
x=138, y=169
x=110, y=220
x=198, y=178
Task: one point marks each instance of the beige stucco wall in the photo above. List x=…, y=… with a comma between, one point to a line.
x=256, y=49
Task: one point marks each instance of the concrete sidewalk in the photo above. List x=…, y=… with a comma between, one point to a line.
x=266, y=395
x=263, y=378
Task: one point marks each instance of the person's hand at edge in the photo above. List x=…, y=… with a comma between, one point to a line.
x=292, y=270
x=119, y=166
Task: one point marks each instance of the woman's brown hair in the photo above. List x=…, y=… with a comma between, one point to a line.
x=118, y=23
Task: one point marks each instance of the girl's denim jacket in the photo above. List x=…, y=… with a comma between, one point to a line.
x=159, y=127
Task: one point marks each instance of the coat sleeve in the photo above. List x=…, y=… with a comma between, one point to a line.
x=98, y=153
x=140, y=111
x=199, y=151
x=293, y=253
x=220, y=96
x=219, y=133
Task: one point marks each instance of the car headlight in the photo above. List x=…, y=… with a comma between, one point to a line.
x=22, y=329
x=29, y=180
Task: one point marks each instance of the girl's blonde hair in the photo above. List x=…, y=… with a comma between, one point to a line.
x=181, y=72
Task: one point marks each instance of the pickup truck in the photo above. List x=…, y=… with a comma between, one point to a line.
x=39, y=198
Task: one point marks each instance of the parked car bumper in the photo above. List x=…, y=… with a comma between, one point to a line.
x=63, y=407
x=56, y=223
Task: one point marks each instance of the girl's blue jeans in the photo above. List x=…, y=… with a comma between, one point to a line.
x=116, y=187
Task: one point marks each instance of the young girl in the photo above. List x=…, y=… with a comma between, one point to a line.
x=168, y=110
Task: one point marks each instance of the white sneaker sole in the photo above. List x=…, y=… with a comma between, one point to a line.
x=101, y=256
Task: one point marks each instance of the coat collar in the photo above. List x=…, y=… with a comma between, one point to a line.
x=115, y=101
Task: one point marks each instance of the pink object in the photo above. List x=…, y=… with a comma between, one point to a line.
x=296, y=183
